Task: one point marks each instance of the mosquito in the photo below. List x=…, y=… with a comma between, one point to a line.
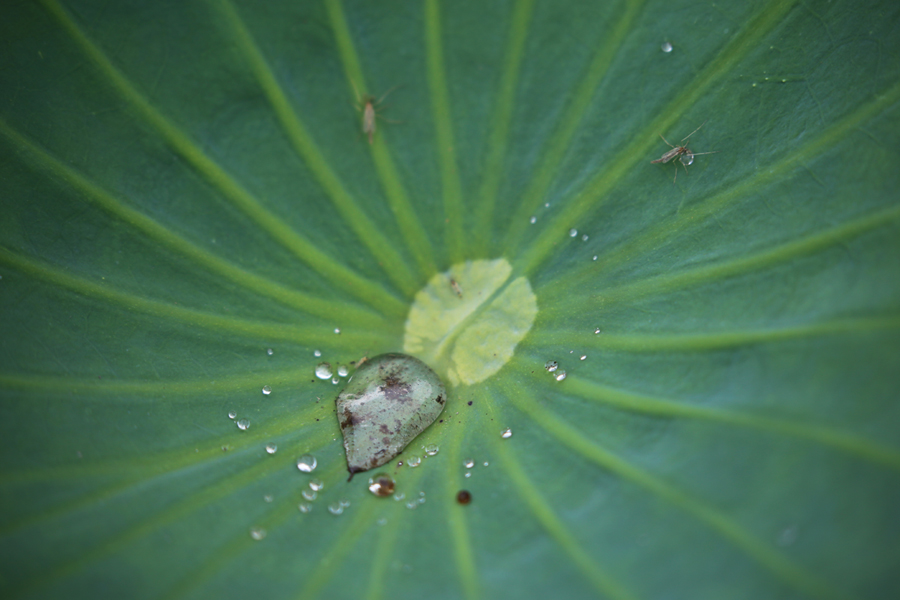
x=366, y=105
x=684, y=154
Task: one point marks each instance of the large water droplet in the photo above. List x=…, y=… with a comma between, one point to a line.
x=257, y=533
x=431, y=449
x=390, y=400
x=413, y=461
x=307, y=463
x=271, y=448
x=381, y=485
x=266, y=390
x=507, y=433
x=323, y=371
x=573, y=232
x=316, y=484
x=243, y=424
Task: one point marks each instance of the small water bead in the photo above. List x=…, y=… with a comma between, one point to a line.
x=666, y=47
x=317, y=353
x=304, y=507
x=257, y=533
x=271, y=448
x=468, y=474
x=270, y=352
x=307, y=463
x=268, y=497
x=335, y=508
x=596, y=331
x=323, y=371
x=343, y=371
x=486, y=463
x=468, y=463
x=413, y=461
x=595, y=257
x=551, y=365
x=381, y=485
x=232, y=414
x=243, y=424
x=561, y=375
x=399, y=496
x=507, y=433
x=573, y=232
x=316, y=485
x=431, y=450
x=266, y=390
x=309, y=495
x=344, y=503
x=335, y=380
x=337, y=331
x=584, y=238
x=533, y=220
x=382, y=521
x=412, y=505
x=583, y=357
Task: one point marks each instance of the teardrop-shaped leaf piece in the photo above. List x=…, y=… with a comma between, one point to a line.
x=390, y=400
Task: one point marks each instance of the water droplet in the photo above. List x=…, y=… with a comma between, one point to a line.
x=304, y=507
x=595, y=257
x=468, y=474
x=267, y=390
x=257, y=533
x=546, y=205
x=486, y=463
x=309, y=494
x=317, y=353
x=323, y=371
x=583, y=357
x=573, y=232
x=270, y=352
x=596, y=331
x=232, y=414
x=382, y=521
x=343, y=371
x=381, y=485
x=268, y=497
x=468, y=463
x=271, y=448
x=507, y=433
x=561, y=375
x=413, y=461
x=243, y=424
x=463, y=497
x=687, y=159
x=399, y=496
x=337, y=331
x=344, y=503
x=316, y=484
x=666, y=47
x=533, y=220
x=307, y=463
x=412, y=504
x=551, y=365
x=431, y=450
x=335, y=380
x=335, y=508
x=584, y=238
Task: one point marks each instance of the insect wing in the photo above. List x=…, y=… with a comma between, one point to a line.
x=667, y=156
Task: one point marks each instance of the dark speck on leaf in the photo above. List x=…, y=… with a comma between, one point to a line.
x=463, y=497
x=470, y=403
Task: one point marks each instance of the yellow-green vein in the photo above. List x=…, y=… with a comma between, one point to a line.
x=349, y=313
x=129, y=302
x=578, y=106
x=368, y=232
x=456, y=518
x=500, y=125
x=777, y=563
x=407, y=220
x=595, y=193
x=451, y=187
x=302, y=248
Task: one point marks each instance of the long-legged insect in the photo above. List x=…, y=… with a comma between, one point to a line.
x=684, y=154
x=366, y=105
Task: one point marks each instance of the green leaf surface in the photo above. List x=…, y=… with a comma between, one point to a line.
x=186, y=185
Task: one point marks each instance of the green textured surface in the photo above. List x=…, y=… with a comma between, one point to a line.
x=185, y=184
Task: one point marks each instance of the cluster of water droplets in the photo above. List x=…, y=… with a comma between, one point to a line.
x=552, y=367
x=469, y=463
x=315, y=485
